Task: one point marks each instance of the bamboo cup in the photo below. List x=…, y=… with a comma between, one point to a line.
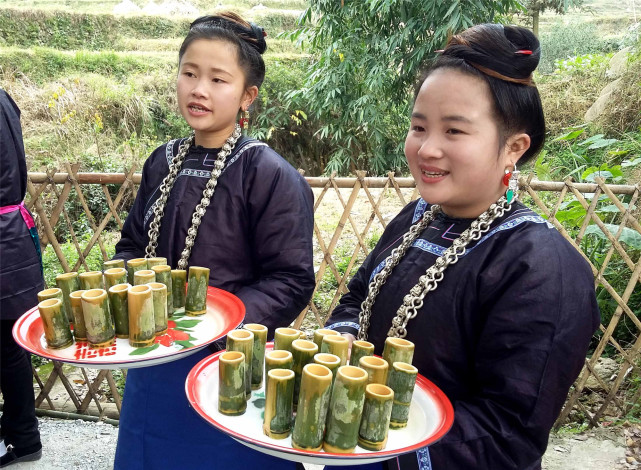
x=231, y=383
x=284, y=337
x=134, y=265
x=79, y=328
x=142, y=325
x=115, y=276
x=178, y=288
x=279, y=394
x=90, y=280
x=163, y=275
x=156, y=261
x=398, y=350
x=279, y=359
x=376, y=369
x=119, y=304
x=114, y=263
x=360, y=349
x=243, y=341
x=345, y=410
x=258, y=353
x=402, y=378
x=196, y=300
x=101, y=332
x=144, y=276
x=377, y=411
x=337, y=345
x=159, y=296
x=331, y=361
x=313, y=402
x=55, y=324
x=303, y=352
x=318, y=335
x=67, y=283
x=53, y=293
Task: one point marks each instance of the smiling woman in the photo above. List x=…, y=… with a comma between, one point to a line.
x=225, y=202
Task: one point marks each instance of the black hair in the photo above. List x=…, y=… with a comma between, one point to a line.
x=505, y=58
x=248, y=38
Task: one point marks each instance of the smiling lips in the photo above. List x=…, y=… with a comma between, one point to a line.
x=197, y=108
x=433, y=173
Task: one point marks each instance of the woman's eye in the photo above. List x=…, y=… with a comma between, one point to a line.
x=454, y=131
x=189, y=74
x=217, y=80
x=417, y=128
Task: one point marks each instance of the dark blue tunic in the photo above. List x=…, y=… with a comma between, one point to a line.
x=504, y=335
x=256, y=237
x=20, y=270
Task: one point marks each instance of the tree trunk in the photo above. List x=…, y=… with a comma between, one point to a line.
x=535, y=22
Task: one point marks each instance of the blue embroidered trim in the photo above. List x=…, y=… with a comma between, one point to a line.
x=423, y=457
x=419, y=210
x=356, y=326
x=439, y=250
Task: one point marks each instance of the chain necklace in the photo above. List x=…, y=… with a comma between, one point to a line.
x=201, y=208
x=413, y=301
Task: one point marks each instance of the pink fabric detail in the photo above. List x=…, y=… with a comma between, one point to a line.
x=23, y=211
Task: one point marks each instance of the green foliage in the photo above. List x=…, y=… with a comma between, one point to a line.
x=94, y=260
x=562, y=41
x=368, y=56
x=581, y=63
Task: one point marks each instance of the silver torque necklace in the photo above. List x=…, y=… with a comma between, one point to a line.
x=413, y=301
x=201, y=208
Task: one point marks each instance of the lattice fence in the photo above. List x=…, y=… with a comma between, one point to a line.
x=79, y=216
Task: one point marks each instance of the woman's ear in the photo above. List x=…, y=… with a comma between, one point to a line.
x=516, y=146
x=248, y=98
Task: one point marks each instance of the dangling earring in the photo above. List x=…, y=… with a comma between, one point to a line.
x=511, y=180
x=244, y=121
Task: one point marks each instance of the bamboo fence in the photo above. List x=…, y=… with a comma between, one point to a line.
x=79, y=216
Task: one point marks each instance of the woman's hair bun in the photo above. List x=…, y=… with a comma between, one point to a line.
x=259, y=34
x=511, y=51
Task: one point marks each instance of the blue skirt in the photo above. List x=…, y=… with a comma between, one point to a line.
x=159, y=430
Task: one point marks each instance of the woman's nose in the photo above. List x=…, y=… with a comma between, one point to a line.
x=430, y=147
x=199, y=89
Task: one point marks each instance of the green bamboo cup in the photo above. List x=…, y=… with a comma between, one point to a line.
x=79, y=328
x=303, y=352
x=101, y=332
x=67, y=283
x=196, y=300
x=279, y=394
x=90, y=280
x=398, y=350
x=313, y=402
x=279, y=359
x=376, y=368
x=163, y=274
x=178, y=288
x=360, y=349
x=144, y=276
x=113, y=263
x=114, y=276
x=258, y=353
x=331, y=361
x=402, y=378
x=53, y=293
x=142, y=324
x=345, y=410
x=243, y=341
x=231, y=383
x=284, y=337
x=159, y=295
x=119, y=304
x=318, y=335
x=156, y=261
x=55, y=324
x=337, y=345
x=134, y=265
x=377, y=411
